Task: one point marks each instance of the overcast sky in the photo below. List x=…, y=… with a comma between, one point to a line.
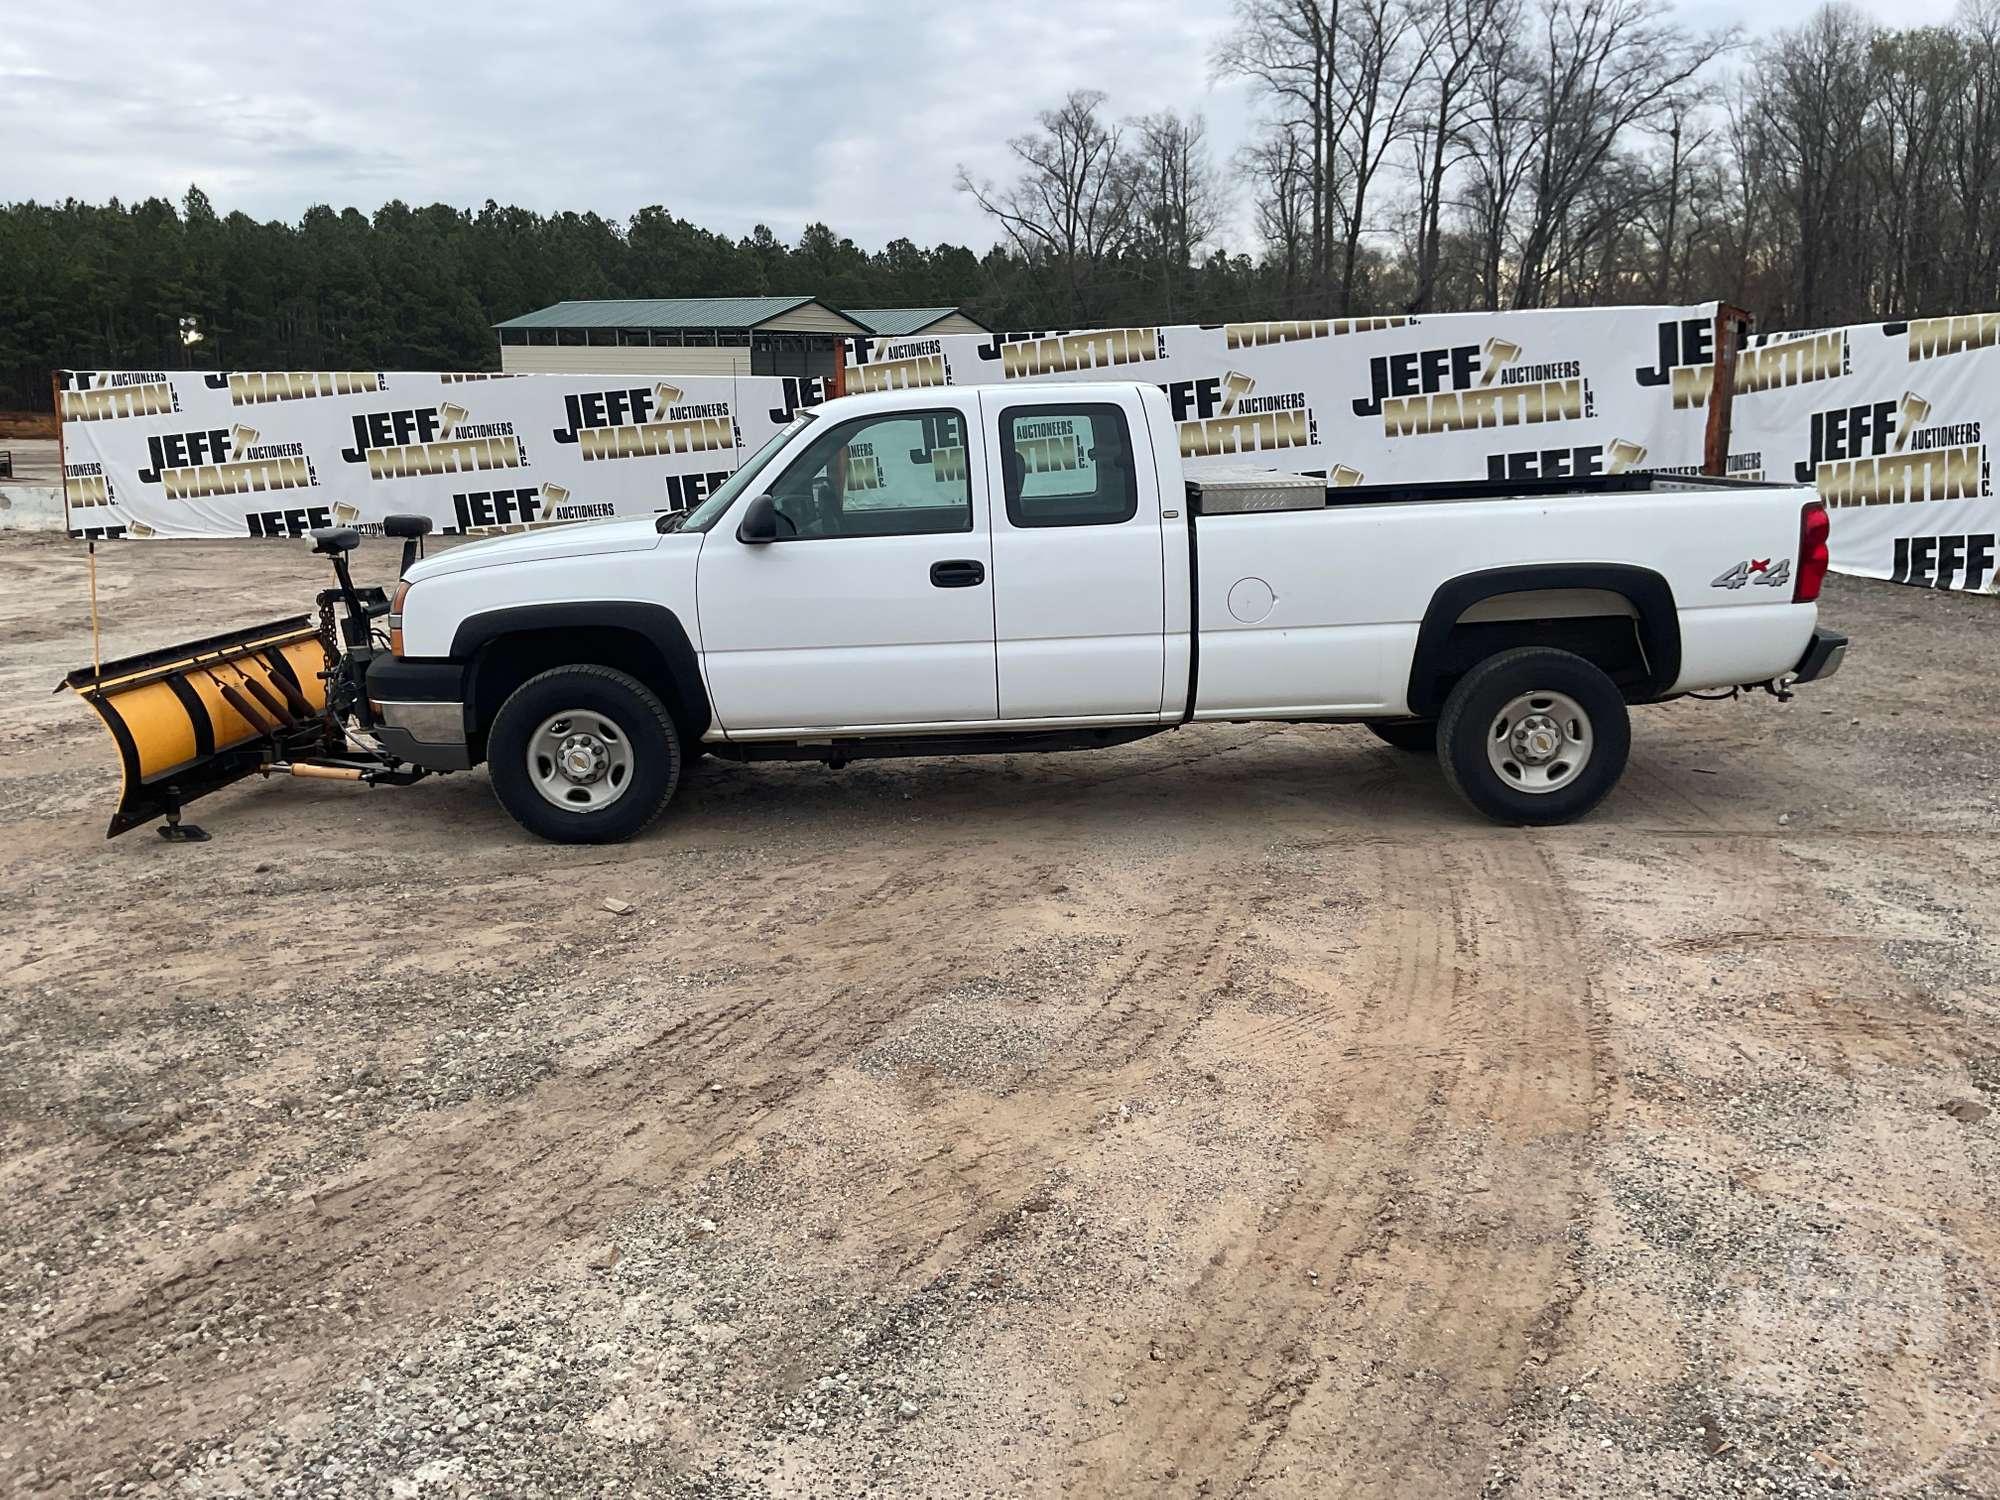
x=729, y=113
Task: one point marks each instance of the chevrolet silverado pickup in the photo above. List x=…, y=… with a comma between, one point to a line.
x=1005, y=569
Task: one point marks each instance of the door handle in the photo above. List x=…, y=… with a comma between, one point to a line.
x=958, y=573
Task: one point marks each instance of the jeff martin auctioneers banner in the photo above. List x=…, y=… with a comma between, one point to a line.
x=1461, y=396
x=1887, y=420
x=1510, y=395
x=189, y=453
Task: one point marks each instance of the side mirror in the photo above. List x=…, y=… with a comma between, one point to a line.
x=760, y=522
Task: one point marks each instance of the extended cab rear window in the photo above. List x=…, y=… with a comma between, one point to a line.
x=1068, y=465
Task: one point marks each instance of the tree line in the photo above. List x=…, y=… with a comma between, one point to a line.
x=153, y=285
x=1426, y=155
x=1412, y=156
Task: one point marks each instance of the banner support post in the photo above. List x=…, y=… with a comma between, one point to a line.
x=96, y=651
x=62, y=465
x=1731, y=324
x=90, y=543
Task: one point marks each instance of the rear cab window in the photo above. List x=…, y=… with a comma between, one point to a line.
x=1068, y=465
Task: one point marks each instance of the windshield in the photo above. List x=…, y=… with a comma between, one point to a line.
x=710, y=510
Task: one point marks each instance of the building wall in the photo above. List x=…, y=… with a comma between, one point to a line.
x=812, y=318
x=956, y=322
x=573, y=359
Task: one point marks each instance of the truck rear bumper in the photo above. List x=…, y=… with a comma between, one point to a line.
x=419, y=710
x=1824, y=654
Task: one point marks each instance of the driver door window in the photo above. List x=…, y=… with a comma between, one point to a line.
x=901, y=475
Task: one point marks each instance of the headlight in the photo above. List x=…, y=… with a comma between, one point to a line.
x=396, y=618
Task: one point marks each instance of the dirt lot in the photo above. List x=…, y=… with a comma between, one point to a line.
x=36, y=460
x=1231, y=1114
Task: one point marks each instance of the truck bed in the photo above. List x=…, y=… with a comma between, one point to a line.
x=1315, y=611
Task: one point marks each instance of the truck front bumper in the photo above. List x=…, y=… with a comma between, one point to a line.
x=419, y=711
x=1823, y=657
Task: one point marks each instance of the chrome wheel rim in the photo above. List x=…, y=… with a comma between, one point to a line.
x=580, y=760
x=1540, y=742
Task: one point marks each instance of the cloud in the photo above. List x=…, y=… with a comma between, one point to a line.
x=729, y=114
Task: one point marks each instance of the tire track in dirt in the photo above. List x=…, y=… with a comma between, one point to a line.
x=1649, y=790
x=432, y=1214
x=1005, y=1139
x=1334, y=1360
x=1255, y=1312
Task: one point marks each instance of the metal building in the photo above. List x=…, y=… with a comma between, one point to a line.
x=901, y=322
x=702, y=335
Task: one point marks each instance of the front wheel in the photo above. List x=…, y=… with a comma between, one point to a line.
x=584, y=755
x=1535, y=736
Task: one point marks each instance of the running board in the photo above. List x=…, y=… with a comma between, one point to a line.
x=837, y=750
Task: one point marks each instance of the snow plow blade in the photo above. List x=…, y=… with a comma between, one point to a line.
x=191, y=719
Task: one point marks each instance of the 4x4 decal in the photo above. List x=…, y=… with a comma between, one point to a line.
x=1754, y=570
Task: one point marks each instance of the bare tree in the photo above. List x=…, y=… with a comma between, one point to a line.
x=1449, y=33
x=1918, y=75
x=1525, y=153
x=1070, y=206
x=1814, y=107
x=1280, y=166
x=1745, y=240
x=1377, y=77
x=1176, y=200
x=1288, y=46
x=1342, y=75
x=1687, y=134
x=1500, y=133
x=1972, y=167
x=1604, y=68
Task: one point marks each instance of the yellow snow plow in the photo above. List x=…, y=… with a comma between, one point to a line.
x=193, y=718
x=271, y=699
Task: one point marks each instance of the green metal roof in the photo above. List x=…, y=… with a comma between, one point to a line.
x=894, y=320
x=660, y=312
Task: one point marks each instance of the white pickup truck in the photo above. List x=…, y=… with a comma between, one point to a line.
x=1000, y=569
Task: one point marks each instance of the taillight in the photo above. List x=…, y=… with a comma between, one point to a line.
x=396, y=618
x=1813, y=554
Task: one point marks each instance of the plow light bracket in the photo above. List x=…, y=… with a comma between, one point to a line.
x=335, y=542
x=332, y=541
x=412, y=530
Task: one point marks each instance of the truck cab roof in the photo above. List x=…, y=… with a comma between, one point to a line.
x=1018, y=393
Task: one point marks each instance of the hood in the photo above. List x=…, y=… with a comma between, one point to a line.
x=624, y=534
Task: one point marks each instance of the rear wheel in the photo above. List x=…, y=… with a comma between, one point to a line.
x=1418, y=736
x=1534, y=736
x=584, y=755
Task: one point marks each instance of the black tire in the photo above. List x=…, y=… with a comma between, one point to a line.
x=634, y=711
x=1418, y=736
x=1471, y=716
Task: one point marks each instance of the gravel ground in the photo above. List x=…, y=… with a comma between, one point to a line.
x=36, y=460
x=1228, y=1114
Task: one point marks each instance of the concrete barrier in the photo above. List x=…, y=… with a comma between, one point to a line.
x=30, y=507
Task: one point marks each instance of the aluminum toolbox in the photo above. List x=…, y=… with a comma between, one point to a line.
x=1227, y=491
